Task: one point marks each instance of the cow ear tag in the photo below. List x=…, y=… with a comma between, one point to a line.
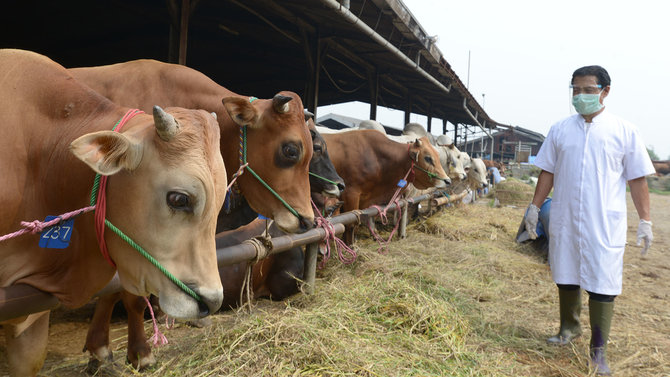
x=402, y=183
x=57, y=236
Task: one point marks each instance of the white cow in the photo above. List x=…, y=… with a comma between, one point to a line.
x=453, y=161
x=370, y=124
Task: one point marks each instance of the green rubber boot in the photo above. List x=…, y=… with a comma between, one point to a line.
x=600, y=315
x=570, y=302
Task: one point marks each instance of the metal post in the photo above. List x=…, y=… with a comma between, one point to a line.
x=311, y=252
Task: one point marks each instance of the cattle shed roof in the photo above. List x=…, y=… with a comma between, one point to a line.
x=257, y=47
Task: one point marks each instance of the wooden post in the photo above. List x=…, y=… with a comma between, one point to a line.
x=456, y=134
x=311, y=252
x=409, y=109
x=183, y=30
x=374, y=93
x=430, y=117
x=403, y=221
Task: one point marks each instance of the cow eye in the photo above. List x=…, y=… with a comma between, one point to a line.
x=179, y=201
x=429, y=160
x=291, y=151
x=318, y=149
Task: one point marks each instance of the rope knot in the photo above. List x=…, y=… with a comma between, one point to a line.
x=262, y=245
x=34, y=226
x=345, y=254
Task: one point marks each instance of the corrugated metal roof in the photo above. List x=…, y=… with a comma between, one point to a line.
x=258, y=47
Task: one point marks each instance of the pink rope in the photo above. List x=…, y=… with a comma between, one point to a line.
x=237, y=174
x=345, y=254
x=37, y=226
x=158, y=338
x=101, y=201
x=383, y=244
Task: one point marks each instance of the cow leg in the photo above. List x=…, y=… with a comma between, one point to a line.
x=27, y=346
x=139, y=350
x=97, y=338
x=351, y=202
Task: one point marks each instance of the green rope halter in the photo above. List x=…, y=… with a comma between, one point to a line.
x=430, y=174
x=323, y=178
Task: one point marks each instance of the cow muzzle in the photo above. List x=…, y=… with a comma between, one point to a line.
x=180, y=305
x=333, y=191
x=289, y=223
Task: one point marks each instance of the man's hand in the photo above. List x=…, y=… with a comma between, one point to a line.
x=531, y=221
x=644, y=233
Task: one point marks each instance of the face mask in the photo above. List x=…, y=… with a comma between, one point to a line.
x=587, y=104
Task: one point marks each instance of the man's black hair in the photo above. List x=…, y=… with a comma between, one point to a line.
x=602, y=77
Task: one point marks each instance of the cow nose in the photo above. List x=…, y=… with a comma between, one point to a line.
x=306, y=224
x=447, y=181
x=207, y=306
x=340, y=185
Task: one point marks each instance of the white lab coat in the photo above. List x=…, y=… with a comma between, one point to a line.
x=591, y=164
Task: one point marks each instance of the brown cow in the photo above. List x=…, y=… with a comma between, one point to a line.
x=662, y=167
x=279, y=146
x=495, y=164
x=275, y=276
x=167, y=187
x=371, y=166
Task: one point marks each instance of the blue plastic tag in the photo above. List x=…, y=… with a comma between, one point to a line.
x=262, y=217
x=57, y=236
x=402, y=183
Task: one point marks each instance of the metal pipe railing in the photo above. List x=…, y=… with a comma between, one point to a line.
x=22, y=299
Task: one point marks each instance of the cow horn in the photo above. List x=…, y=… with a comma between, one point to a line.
x=280, y=103
x=166, y=124
x=308, y=114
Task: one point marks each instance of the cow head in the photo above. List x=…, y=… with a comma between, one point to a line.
x=425, y=156
x=477, y=174
x=451, y=158
x=167, y=188
x=321, y=166
x=279, y=150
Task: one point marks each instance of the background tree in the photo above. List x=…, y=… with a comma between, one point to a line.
x=652, y=154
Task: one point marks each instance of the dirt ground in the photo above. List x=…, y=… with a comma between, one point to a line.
x=642, y=312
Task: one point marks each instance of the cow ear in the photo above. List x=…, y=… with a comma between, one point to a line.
x=107, y=152
x=241, y=111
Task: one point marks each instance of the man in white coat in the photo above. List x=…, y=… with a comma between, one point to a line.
x=588, y=158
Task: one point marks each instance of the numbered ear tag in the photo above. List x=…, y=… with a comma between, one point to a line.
x=402, y=183
x=57, y=236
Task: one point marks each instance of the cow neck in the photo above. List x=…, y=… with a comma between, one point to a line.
x=98, y=198
x=244, y=165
